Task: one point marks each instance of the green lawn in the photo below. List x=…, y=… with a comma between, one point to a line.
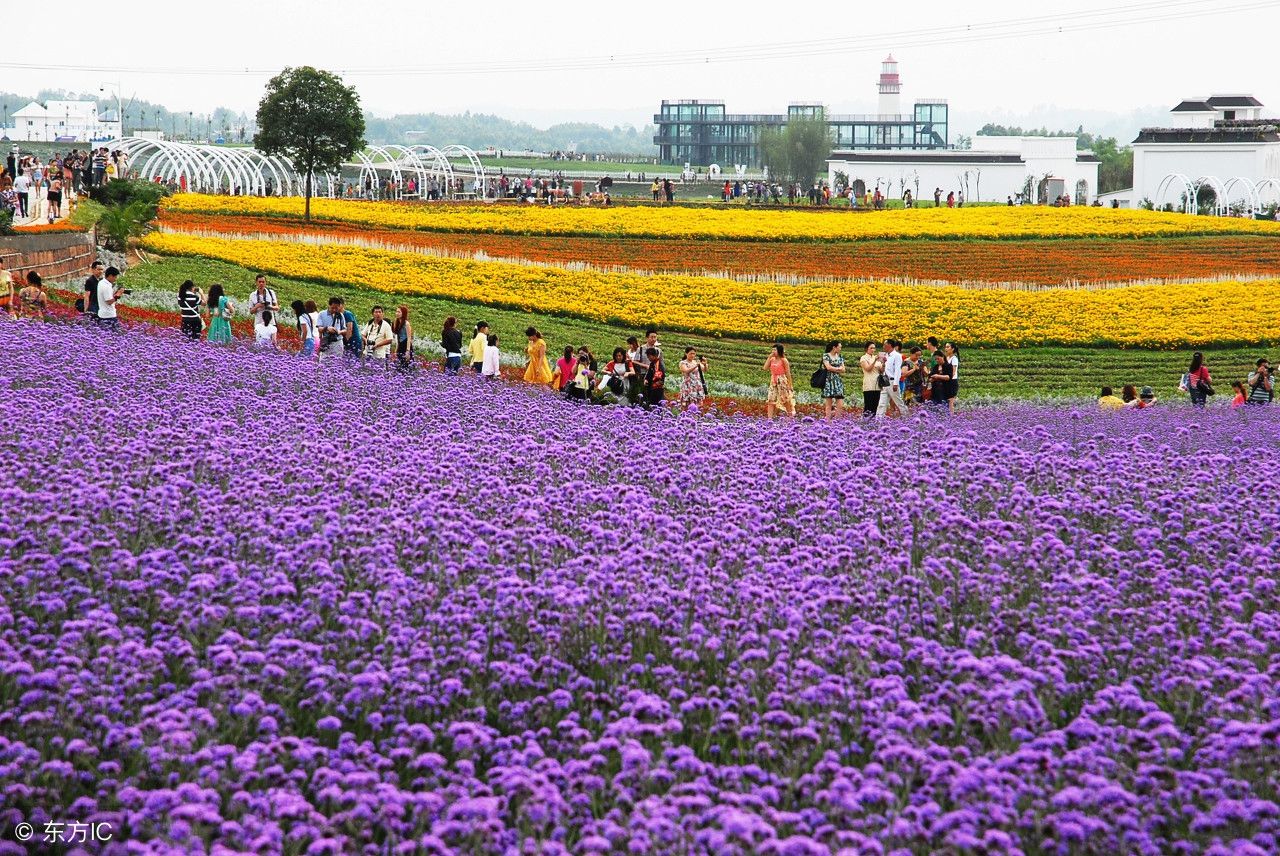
x=1024, y=373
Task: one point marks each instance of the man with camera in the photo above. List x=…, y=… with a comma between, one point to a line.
x=378, y=336
x=333, y=328
x=263, y=300
x=1260, y=384
x=108, y=294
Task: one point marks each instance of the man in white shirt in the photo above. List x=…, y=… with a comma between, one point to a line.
x=21, y=186
x=893, y=371
x=378, y=336
x=263, y=300
x=108, y=294
x=333, y=329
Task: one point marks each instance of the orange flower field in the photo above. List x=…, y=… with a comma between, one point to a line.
x=1033, y=262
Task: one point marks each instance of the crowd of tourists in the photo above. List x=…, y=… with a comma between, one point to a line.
x=895, y=379
x=32, y=190
x=1257, y=389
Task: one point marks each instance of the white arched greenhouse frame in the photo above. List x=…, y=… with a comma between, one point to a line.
x=249, y=172
x=1253, y=194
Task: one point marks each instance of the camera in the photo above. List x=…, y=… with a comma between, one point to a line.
x=127, y=291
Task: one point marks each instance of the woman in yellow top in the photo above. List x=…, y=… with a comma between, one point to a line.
x=478, y=343
x=539, y=370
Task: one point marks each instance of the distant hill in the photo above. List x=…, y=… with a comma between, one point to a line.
x=479, y=130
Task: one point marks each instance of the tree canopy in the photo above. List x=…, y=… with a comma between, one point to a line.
x=312, y=118
x=798, y=151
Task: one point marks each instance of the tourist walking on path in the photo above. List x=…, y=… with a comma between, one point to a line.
x=538, y=370
x=1260, y=387
x=189, y=302
x=306, y=324
x=872, y=367
x=892, y=371
x=1199, y=383
x=833, y=385
x=693, y=384
x=451, y=341
x=220, y=309
x=403, y=331
x=479, y=340
x=782, y=394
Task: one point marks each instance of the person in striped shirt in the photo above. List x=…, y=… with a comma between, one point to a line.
x=1260, y=391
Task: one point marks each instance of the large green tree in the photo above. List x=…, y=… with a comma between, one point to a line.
x=312, y=118
x=798, y=151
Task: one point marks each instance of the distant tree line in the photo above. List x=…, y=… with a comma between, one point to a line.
x=1115, y=172
x=478, y=130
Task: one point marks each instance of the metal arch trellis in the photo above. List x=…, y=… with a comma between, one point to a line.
x=216, y=168
x=1185, y=184
x=1219, y=193
x=1250, y=192
x=1265, y=184
x=441, y=165
x=477, y=168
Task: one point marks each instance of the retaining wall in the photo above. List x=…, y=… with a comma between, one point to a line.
x=56, y=256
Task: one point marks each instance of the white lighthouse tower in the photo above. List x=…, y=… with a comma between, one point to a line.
x=890, y=87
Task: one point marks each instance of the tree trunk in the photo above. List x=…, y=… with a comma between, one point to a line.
x=307, y=216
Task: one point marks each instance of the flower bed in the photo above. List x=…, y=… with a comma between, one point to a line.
x=1030, y=262
x=1145, y=316
x=289, y=608
x=737, y=224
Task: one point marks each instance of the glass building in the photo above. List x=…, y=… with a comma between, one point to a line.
x=700, y=133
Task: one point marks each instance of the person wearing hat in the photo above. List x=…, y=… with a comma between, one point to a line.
x=1146, y=398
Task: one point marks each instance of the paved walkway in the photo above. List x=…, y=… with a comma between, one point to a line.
x=38, y=208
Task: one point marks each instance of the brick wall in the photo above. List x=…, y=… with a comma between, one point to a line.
x=57, y=257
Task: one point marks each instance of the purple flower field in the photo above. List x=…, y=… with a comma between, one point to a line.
x=252, y=605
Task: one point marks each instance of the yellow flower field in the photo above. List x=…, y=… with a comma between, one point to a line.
x=997, y=222
x=1154, y=316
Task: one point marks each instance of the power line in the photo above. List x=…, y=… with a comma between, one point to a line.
x=1112, y=17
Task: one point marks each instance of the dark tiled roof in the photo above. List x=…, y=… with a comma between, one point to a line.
x=956, y=157
x=1260, y=134
x=1193, y=107
x=1087, y=157
x=1233, y=101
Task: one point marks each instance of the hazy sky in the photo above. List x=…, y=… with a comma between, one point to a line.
x=1137, y=55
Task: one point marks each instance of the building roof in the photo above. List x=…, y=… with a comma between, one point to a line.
x=1233, y=101
x=1217, y=134
x=1087, y=157
x=955, y=156
x=1193, y=106
x=32, y=109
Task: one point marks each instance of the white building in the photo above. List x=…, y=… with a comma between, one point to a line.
x=1222, y=143
x=63, y=121
x=995, y=169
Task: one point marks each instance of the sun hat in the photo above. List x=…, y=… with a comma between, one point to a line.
x=1147, y=392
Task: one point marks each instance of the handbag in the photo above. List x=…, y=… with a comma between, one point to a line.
x=819, y=379
x=1204, y=388
x=883, y=380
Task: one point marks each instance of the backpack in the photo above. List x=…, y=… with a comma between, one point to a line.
x=819, y=378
